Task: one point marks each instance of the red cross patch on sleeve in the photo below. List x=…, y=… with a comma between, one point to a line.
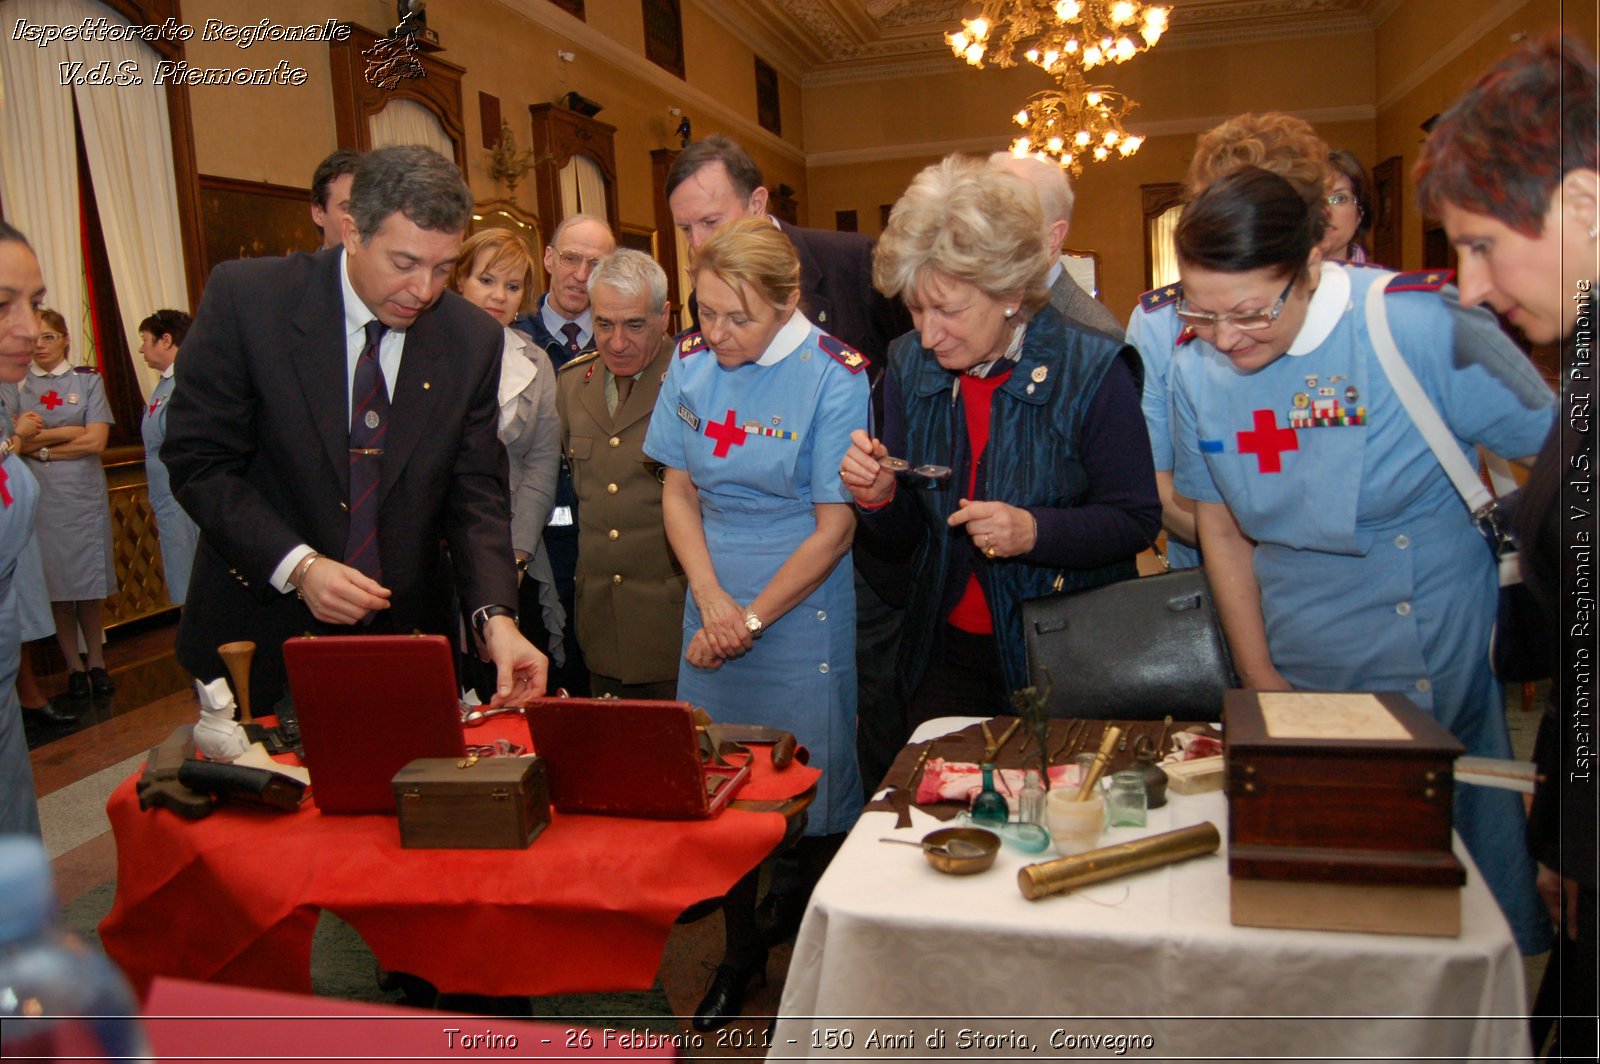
x=1420, y=281
x=843, y=353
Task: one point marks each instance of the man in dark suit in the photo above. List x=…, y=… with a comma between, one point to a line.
x=712, y=182
x=334, y=422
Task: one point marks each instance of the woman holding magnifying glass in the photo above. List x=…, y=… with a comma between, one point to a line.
x=1051, y=483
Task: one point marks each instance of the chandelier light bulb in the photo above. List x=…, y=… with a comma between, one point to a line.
x=1055, y=144
x=1022, y=117
x=1125, y=50
x=1091, y=56
x=1067, y=10
x=1100, y=155
x=1122, y=12
x=1082, y=138
x=975, y=54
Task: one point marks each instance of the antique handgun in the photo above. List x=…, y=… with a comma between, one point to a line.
x=159, y=784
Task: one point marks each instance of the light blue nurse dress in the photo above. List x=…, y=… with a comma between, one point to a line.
x=175, y=527
x=762, y=443
x=74, y=518
x=1372, y=574
x=19, y=496
x=33, y=601
x=1153, y=331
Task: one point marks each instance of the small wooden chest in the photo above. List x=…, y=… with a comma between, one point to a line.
x=494, y=803
x=1338, y=788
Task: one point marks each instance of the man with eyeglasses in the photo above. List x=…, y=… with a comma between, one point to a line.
x=630, y=588
x=563, y=324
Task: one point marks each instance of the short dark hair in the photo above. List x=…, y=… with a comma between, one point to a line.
x=742, y=170
x=1345, y=162
x=10, y=233
x=1502, y=148
x=330, y=170
x=1251, y=219
x=173, y=323
x=414, y=180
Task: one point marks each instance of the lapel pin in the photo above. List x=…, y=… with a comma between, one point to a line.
x=426, y=385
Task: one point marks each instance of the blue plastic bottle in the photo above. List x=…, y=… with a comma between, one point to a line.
x=58, y=997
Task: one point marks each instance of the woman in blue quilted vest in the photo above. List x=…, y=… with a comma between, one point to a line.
x=1050, y=483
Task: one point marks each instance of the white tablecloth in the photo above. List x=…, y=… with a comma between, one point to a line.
x=892, y=953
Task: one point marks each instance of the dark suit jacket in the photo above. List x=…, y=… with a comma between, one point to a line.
x=257, y=445
x=836, y=291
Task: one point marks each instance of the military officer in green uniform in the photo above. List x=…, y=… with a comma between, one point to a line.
x=630, y=588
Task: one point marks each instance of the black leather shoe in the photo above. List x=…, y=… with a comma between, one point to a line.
x=47, y=714
x=100, y=681
x=724, y=1000
x=77, y=685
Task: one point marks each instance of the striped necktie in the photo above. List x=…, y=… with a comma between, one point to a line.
x=369, y=423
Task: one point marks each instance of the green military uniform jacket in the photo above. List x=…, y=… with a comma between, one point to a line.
x=630, y=586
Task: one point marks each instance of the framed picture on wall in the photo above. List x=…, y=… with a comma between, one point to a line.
x=769, y=109
x=663, y=34
x=252, y=219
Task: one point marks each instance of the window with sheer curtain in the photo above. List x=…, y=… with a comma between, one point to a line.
x=1164, y=247
x=583, y=188
x=408, y=122
x=127, y=140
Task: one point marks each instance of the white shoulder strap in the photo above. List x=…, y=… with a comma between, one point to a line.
x=1439, y=437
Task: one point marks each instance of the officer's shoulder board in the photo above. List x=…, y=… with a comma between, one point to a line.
x=842, y=353
x=690, y=342
x=1419, y=281
x=581, y=360
x=1164, y=296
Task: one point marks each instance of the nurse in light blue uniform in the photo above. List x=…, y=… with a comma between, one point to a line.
x=1153, y=331
x=1341, y=555
x=750, y=425
x=159, y=338
x=21, y=292
x=33, y=601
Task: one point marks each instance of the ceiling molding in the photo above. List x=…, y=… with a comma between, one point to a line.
x=583, y=36
x=790, y=51
x=1470, y=35
x=887, y=69
x=984, y=145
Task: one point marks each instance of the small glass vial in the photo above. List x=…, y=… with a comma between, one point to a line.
x=1126, y=801
x=1030, y=803
x=989, y=804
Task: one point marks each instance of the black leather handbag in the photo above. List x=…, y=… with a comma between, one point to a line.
x=1134, y=650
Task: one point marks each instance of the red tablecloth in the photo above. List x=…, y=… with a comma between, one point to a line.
x=192, y=1022
x=235, y=897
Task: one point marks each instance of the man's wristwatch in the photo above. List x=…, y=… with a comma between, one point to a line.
x=42, y=454
x=480, y=617
x=753, y=624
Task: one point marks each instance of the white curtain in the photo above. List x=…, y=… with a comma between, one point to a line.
x=583, y=188
x=1164, y=247
x=129, y=146
x=38, y=163
x=408, y=122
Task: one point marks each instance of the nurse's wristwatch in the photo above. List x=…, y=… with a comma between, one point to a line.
x=753, y=624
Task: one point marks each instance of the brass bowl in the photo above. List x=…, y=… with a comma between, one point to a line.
x=985, y=841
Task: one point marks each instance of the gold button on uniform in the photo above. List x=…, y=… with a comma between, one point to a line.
x=611, y=489
x=616, y=578
x=613, y=534
x=615, y=441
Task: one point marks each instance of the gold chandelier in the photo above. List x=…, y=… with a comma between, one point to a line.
x=1058, y=35
x=1073, y=122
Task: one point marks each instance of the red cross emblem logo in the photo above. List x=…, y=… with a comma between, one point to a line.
x=1267, y=442
x=50, y=400
x=727, y=435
